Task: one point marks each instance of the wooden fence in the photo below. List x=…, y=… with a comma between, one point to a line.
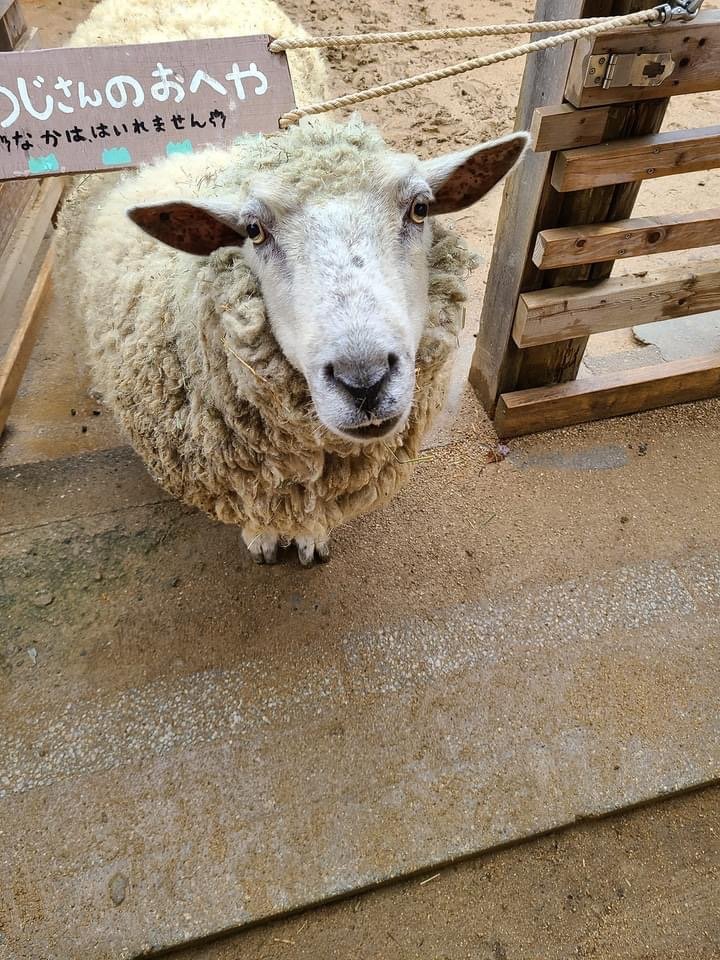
x=26, y=210
x=595, y=113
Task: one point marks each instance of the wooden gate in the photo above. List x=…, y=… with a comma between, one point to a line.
x=595, y=113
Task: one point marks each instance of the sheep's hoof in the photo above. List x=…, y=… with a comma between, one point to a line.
x=309, y=550
x=263, y=547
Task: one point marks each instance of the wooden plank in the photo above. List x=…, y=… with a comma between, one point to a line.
x=20, y=253
x=12, y=26
x=5, y=6
x=564, y=313
x=593, y=243
x=530, y=204
x=695, y=47
x=640, y=158
x=16, y=358
x=14, y=197
x=563, y=127
x=609, y=395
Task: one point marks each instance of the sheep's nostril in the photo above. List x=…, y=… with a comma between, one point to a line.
x=392, y=361
x=366, y=395
x=329, y=371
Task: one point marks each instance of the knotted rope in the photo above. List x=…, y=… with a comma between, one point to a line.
x=573, y=30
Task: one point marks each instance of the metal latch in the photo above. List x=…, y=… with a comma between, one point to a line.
x=682, y=10
x=628, y=70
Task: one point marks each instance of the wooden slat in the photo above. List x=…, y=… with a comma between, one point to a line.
x=563, y=313
x=14, y=197
x=529, y=205
x=564, y=128
x=695, y=47
x=593, y=243
x=640, y=158
x=610, y=395
x=12, y=27
x=15, y=360
x=20, y=253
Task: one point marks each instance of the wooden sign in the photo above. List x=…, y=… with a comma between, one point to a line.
x=70, y=110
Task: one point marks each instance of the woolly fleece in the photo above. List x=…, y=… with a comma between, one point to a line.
x=154, y=21
x=183, y=354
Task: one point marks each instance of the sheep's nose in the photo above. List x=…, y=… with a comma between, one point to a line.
x=363, y=384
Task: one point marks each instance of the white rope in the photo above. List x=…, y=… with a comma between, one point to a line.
x=590, y=27
x=451, y=33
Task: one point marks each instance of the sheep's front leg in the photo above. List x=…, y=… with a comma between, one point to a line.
x=263, y=546
x=312, y=548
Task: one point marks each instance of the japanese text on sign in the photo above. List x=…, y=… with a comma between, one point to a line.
x=64, y=111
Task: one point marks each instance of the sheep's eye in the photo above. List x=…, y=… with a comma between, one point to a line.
x=419, y=211
x=256, y=233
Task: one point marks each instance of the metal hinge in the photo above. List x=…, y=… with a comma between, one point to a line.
x=628, y=70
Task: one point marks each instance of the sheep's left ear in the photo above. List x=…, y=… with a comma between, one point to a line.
x=460, y=179
x=192, y=227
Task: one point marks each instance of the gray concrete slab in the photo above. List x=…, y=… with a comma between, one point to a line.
x=148, y=800
x=192, y=743
x=683, y=338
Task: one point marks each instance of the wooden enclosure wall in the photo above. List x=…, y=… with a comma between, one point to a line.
x=565, y=220
x=26, y=209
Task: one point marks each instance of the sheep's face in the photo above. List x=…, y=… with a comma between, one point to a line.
x=345, y=282
x=345, y=276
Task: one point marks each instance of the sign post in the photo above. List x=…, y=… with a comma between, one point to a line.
x=73, y=110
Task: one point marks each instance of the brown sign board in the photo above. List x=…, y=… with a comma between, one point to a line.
x=70, y=110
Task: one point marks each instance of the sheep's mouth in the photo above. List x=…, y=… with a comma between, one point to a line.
x=372, y=431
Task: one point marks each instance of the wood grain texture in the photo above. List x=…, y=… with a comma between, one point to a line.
x=593, y=243
x=610, y=395
x=560, y=361
x=695, y=47
x=5, y=6
x=529, y=205
x=563, y=313
x=12, y=366
x=20, y=253
x=12, y=26
x=639, y=158
x=14, y=197
x=564, y=127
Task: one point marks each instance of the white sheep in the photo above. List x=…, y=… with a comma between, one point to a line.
x=275, y=342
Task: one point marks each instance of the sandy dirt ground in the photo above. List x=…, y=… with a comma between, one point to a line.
x=640, y=886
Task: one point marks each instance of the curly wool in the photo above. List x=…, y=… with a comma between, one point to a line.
x=183, y=353
x=155, y=21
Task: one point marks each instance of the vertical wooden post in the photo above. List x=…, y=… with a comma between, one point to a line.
x=531, y=204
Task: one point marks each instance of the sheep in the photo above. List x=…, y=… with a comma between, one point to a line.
x=271, y=323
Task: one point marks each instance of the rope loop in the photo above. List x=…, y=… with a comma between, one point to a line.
x=568, y=31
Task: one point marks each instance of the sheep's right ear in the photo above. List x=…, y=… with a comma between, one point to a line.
x=461, y=179
x=192, y=227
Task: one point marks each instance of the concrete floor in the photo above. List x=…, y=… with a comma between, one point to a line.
x=641, y=886
x=192, y=743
